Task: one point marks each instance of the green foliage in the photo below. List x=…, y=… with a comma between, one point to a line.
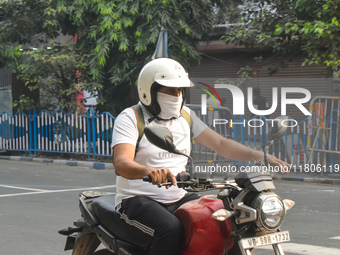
x=114, y=37
x=40, y=63
x=24, y=104
x=56, y=73
x=290, y=28
x=30, y=22
x=119, y=37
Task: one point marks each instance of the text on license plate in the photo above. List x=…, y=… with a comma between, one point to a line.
x=279, y=237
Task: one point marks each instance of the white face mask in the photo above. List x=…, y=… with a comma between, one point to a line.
x=170, y=105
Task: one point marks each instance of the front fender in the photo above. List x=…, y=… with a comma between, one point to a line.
x=86, y=244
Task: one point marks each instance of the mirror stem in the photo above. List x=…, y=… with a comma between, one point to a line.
x=265, y=151
x=191, y=168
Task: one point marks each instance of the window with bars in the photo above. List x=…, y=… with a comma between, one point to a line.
x=5, y=78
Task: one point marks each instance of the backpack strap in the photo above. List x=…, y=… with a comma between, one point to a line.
x=187, y=117
x=140, y=120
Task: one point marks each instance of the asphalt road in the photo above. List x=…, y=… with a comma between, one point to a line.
x=36, y=200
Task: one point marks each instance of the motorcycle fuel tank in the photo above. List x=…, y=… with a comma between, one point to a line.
x=203, y=234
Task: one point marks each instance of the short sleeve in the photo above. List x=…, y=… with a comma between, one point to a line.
x=198, y=126
x=125, y=128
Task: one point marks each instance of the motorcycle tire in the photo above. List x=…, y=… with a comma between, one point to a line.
x=103, y=252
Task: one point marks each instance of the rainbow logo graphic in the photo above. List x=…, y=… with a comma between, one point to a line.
x=209, y=93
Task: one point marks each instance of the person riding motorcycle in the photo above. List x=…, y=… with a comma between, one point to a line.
x=145, y=209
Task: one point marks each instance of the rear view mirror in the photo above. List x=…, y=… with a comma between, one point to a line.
x=161, y=137
x=279, y=130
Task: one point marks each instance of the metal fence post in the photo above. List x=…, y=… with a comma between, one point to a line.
x=94, y=144
x=88, y=116
x=35, y=136
x=30, y=130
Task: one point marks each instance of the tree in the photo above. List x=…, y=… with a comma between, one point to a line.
x=119, y=37
x=57, y=72
x=26, y=34
x=116, y=38
x=28, y=22
x=289, y=28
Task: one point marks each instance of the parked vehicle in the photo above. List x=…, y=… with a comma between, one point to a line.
x=244, y=214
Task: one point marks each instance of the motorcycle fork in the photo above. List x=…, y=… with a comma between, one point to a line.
x=276, y=247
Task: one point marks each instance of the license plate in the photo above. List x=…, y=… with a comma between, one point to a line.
x=279, y=237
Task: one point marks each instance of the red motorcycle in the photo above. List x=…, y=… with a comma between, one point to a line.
x=244, y=214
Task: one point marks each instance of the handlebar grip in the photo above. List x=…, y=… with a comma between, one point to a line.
x=147, y=179
x=183, y=177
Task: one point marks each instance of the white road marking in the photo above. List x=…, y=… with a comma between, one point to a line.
x=54, y=191
x=303, y=249
x=327, y=190
x=24, y=188
x=336, y=238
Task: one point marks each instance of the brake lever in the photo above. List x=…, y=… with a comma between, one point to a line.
x=180, y=184
x=160, y=185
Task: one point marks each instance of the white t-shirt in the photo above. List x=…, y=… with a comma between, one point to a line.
x=125, y=131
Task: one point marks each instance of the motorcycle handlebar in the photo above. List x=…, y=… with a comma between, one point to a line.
x=179, y=177
x=147, y=179
x=193, y=185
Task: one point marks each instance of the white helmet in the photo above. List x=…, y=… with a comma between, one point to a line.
x=163, y=71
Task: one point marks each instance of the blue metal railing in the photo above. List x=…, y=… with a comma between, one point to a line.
x=91, y=134
x=59, y=132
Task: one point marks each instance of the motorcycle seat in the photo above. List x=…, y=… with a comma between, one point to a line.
x=104, y=209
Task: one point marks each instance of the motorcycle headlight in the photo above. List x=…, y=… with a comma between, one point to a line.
x=271, y=211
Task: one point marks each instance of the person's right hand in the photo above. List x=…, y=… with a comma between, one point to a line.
x=161, y=176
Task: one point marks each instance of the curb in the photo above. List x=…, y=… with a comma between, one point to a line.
x=309, y=179
x=94, y=165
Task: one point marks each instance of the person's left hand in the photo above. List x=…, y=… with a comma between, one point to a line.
x=284, y=166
